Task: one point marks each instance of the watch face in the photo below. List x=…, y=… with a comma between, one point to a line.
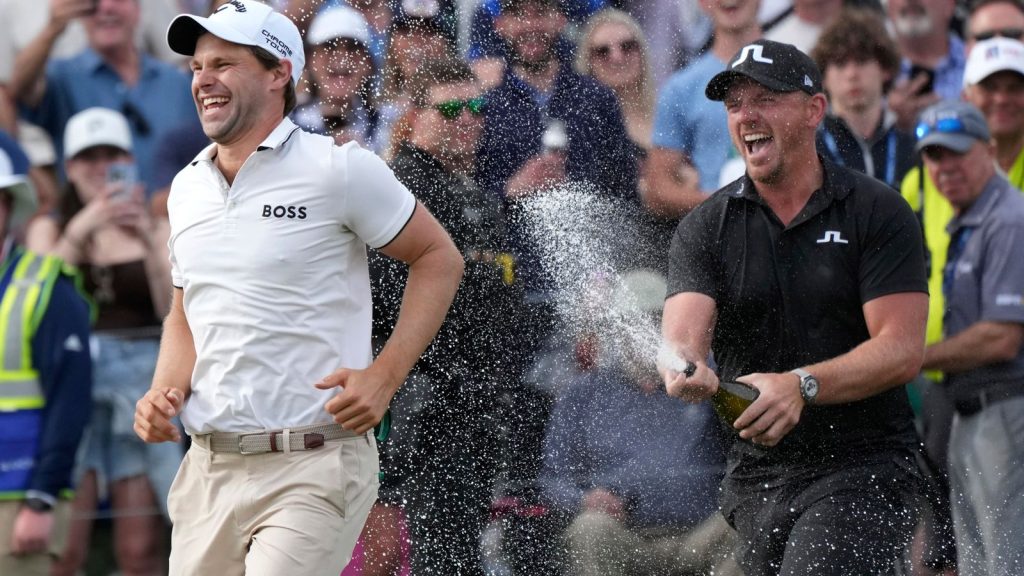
x=809, y=387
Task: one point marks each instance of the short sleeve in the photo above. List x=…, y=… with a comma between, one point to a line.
x=668, y=118
x=376, y=205
x=892, y=259
x=692, y=265
x=1002, y=281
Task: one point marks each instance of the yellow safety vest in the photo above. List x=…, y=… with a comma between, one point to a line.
x=22, y=306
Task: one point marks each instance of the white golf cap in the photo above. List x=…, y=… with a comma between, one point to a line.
x=338, y=22
x=96, y=127
x=14, y=180
x=993, y=55
x=245, y=22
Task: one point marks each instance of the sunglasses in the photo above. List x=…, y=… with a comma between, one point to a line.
x=943, y=125
x=605, y=50
x=1013, y=33
x=452, y=109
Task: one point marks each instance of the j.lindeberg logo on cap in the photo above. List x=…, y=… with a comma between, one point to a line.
x=239, y=7
x=755, y=52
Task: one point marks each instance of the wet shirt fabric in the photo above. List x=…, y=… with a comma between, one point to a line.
x=789, y=296
x=986, y=282
x=475, y=340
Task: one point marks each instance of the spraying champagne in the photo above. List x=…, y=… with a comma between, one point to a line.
x=732, y=397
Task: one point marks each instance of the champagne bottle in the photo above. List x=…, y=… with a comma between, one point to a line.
x=732, y=399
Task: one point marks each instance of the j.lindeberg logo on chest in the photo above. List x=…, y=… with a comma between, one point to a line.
x=290, y=212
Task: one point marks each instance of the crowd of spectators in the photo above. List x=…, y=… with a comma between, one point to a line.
x=479, y=105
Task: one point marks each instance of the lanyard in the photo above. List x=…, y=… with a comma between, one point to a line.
x=890, y=153
x=956, y=249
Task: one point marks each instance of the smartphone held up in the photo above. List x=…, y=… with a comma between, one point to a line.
x=122, y=178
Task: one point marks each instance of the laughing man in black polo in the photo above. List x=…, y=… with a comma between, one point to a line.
x=807, y=280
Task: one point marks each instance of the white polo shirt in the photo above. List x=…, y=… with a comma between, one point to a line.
x=274, y=273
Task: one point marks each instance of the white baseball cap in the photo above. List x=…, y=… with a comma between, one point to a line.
x=244, y=22
x=338, y=22
x=14, y=179
x=993, y=55
x=96, y=127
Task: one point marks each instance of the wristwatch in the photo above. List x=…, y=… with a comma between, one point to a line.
x=809, y=385
x=37, y=504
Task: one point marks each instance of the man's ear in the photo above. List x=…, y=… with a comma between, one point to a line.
x=817, y=106
x=282, y=73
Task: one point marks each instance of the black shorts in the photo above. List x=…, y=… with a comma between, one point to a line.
x=854, y=520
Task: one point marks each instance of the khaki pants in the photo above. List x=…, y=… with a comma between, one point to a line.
x=600, y=545
x=36, y=564
x=271, y=514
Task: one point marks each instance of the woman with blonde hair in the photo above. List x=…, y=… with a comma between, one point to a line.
x=613, y=50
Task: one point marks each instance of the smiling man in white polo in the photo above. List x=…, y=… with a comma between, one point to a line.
x=266, y=351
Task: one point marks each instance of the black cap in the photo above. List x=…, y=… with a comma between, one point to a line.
x=777, y=66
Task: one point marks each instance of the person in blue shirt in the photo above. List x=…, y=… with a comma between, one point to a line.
x=45, y=384
x=691, y=143
x=635, y=469
x=539, y=94
x=112, y=73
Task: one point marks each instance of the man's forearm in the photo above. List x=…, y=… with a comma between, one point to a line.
x=891, y=357
x=27, y=79
x=177, y=357
x=980, y=344
x=433, y=280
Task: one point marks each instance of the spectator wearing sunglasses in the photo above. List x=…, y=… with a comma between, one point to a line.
x=446, y=470
x=111, y=72
x=613, y=50
x=995, y=18
x=993, y=82
x=540, y=94
x=980, y=353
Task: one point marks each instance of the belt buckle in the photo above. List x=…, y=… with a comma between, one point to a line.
x=241, y=444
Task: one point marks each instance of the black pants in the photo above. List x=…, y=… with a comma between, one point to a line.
x=851, y=521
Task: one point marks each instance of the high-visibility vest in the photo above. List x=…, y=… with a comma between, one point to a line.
x=22, y=306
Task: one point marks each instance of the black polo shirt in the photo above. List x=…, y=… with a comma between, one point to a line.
x=789, y=296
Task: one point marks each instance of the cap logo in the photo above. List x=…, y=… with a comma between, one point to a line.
x=754, y=51
x=239, y=7
x=277, y=44
x=808, y=82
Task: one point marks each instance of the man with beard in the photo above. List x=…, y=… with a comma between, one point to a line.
x=538, y=94
x=933, y=56
x=807, y=281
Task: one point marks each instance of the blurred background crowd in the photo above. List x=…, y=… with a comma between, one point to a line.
x=518, y=446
